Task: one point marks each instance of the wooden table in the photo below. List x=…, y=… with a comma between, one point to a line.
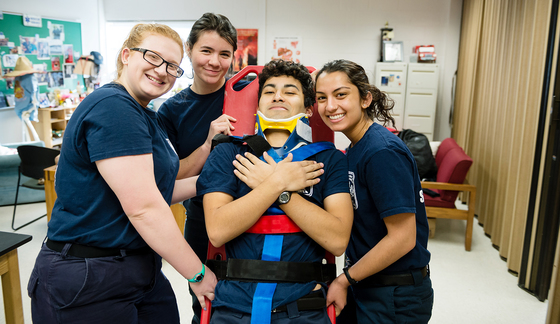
x=50, y=197
x=9, y=270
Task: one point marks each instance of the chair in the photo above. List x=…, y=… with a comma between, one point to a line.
x=453, y=164
x=243, y=105
x=445, y=146
x=34, y=159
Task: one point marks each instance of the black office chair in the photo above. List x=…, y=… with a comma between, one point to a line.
x=34, y=159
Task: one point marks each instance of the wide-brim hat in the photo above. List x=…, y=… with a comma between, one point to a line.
x=23, y=67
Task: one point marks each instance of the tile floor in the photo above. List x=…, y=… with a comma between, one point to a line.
x=470, y=287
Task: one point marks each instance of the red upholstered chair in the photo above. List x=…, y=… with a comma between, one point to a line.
x=243, y=106
x=453, y=164
x=445, y=146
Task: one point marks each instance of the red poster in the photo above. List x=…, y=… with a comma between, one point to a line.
x=55, y=63
x=247, y=48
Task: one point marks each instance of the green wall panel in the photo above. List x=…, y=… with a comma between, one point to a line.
x=12, y=27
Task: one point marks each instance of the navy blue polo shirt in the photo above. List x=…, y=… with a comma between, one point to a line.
x=217, y=176
x=384, y=181
x=108, y=123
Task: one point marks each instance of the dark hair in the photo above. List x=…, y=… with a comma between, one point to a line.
x=299, y=72
x=212, y=22
x=381, y=103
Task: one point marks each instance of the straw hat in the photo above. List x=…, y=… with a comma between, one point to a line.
x=23, y=66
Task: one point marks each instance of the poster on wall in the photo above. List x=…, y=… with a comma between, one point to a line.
x=40, y=67
x=9, y=60
x=41, y=77
x=55, y=48
x=43, y=50
x=56, y=31
x=68, y=71
x=3, y=39
x=55, y=63
x=247, y=49
x=28, y=45
x=68, y=50
x=287, y=48
x=55, y=79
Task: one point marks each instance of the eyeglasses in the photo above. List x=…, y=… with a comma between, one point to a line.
x=154, y=59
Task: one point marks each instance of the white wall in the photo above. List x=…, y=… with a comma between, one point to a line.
x=330, y=29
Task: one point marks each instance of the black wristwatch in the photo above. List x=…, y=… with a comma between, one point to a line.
x=350, y=279
x=284, y=198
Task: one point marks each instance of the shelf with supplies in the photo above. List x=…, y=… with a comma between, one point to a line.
x=52, y=123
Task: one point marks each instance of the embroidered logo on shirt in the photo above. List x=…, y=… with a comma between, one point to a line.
x=306, y=192
x=351, y=178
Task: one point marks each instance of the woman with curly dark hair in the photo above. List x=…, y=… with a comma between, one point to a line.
x=387, y=257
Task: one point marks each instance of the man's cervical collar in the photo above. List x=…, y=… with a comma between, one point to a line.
x=299, y=123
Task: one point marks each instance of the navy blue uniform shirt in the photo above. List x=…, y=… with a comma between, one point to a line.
x=384, y=181
x=217, y=176
x=108, y=123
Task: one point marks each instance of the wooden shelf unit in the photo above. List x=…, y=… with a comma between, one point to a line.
x=52, y=119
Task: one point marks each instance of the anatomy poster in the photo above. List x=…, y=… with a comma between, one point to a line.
x=247, y=48
x=286, y=48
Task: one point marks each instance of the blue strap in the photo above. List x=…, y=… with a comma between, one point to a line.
x=272, y=248
x=262, y=303
x=301, y=153
x=262, y=299
x=306, y=151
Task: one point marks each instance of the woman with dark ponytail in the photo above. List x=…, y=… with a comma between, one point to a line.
x=387, y=257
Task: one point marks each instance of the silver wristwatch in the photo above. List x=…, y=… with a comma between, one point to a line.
x=284, y=198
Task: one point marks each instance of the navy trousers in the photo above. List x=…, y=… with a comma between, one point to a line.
x=389, y=304
x=224, y=315
x=122, y=289
x=293, y=315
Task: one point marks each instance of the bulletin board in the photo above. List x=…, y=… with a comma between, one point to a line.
x=31, y=41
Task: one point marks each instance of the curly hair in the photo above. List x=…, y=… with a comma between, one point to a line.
x=139, y=32
x=212, y=22
x=299, y=72
x=381, y=104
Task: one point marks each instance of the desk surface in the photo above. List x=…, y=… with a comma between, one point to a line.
x=11, y=241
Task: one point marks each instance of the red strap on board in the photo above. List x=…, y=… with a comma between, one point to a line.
x=274, y=224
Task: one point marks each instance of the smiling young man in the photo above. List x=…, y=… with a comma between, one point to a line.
x=310, y=208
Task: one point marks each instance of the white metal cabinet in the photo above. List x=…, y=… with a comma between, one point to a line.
x=421, y=98
x=391, y=78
